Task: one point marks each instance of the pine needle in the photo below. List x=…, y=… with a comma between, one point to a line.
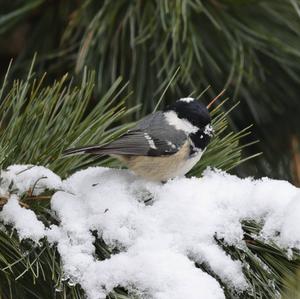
x=165, y=90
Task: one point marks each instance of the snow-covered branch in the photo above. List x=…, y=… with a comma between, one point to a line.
x=162, y=233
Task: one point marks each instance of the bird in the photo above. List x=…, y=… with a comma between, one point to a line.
x=162, y=145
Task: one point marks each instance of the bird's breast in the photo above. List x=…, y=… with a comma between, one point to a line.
x=165, y=167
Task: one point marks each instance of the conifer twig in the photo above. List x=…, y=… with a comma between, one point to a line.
x=165, y=90
x=215, y=98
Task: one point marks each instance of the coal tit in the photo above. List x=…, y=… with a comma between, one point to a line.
x=162, y=145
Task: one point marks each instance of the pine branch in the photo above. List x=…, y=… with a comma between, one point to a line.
x=39, y=122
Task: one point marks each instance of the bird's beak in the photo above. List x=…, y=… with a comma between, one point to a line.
x=209, y=130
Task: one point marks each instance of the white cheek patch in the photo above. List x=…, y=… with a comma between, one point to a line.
x=179, y=123
x=187, y=100
x=150, y=141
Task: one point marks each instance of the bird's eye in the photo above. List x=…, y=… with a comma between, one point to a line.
x=201, y=136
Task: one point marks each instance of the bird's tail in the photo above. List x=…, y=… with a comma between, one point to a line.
x=93, y=149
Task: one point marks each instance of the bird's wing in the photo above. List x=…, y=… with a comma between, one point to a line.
x=152, y=136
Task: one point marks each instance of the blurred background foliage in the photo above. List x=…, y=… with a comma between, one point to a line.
x=250, y=47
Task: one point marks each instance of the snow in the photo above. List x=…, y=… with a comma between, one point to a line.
x=23, y=220
x=209, y=130
x=158, y=242
x=25, y=177
x=187, y=100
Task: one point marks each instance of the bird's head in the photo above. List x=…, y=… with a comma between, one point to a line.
x=191, y=110
x=192, y=117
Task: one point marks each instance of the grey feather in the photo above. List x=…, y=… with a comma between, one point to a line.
x=152, y=136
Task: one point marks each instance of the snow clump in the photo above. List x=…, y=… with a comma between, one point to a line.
x=158, y=242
